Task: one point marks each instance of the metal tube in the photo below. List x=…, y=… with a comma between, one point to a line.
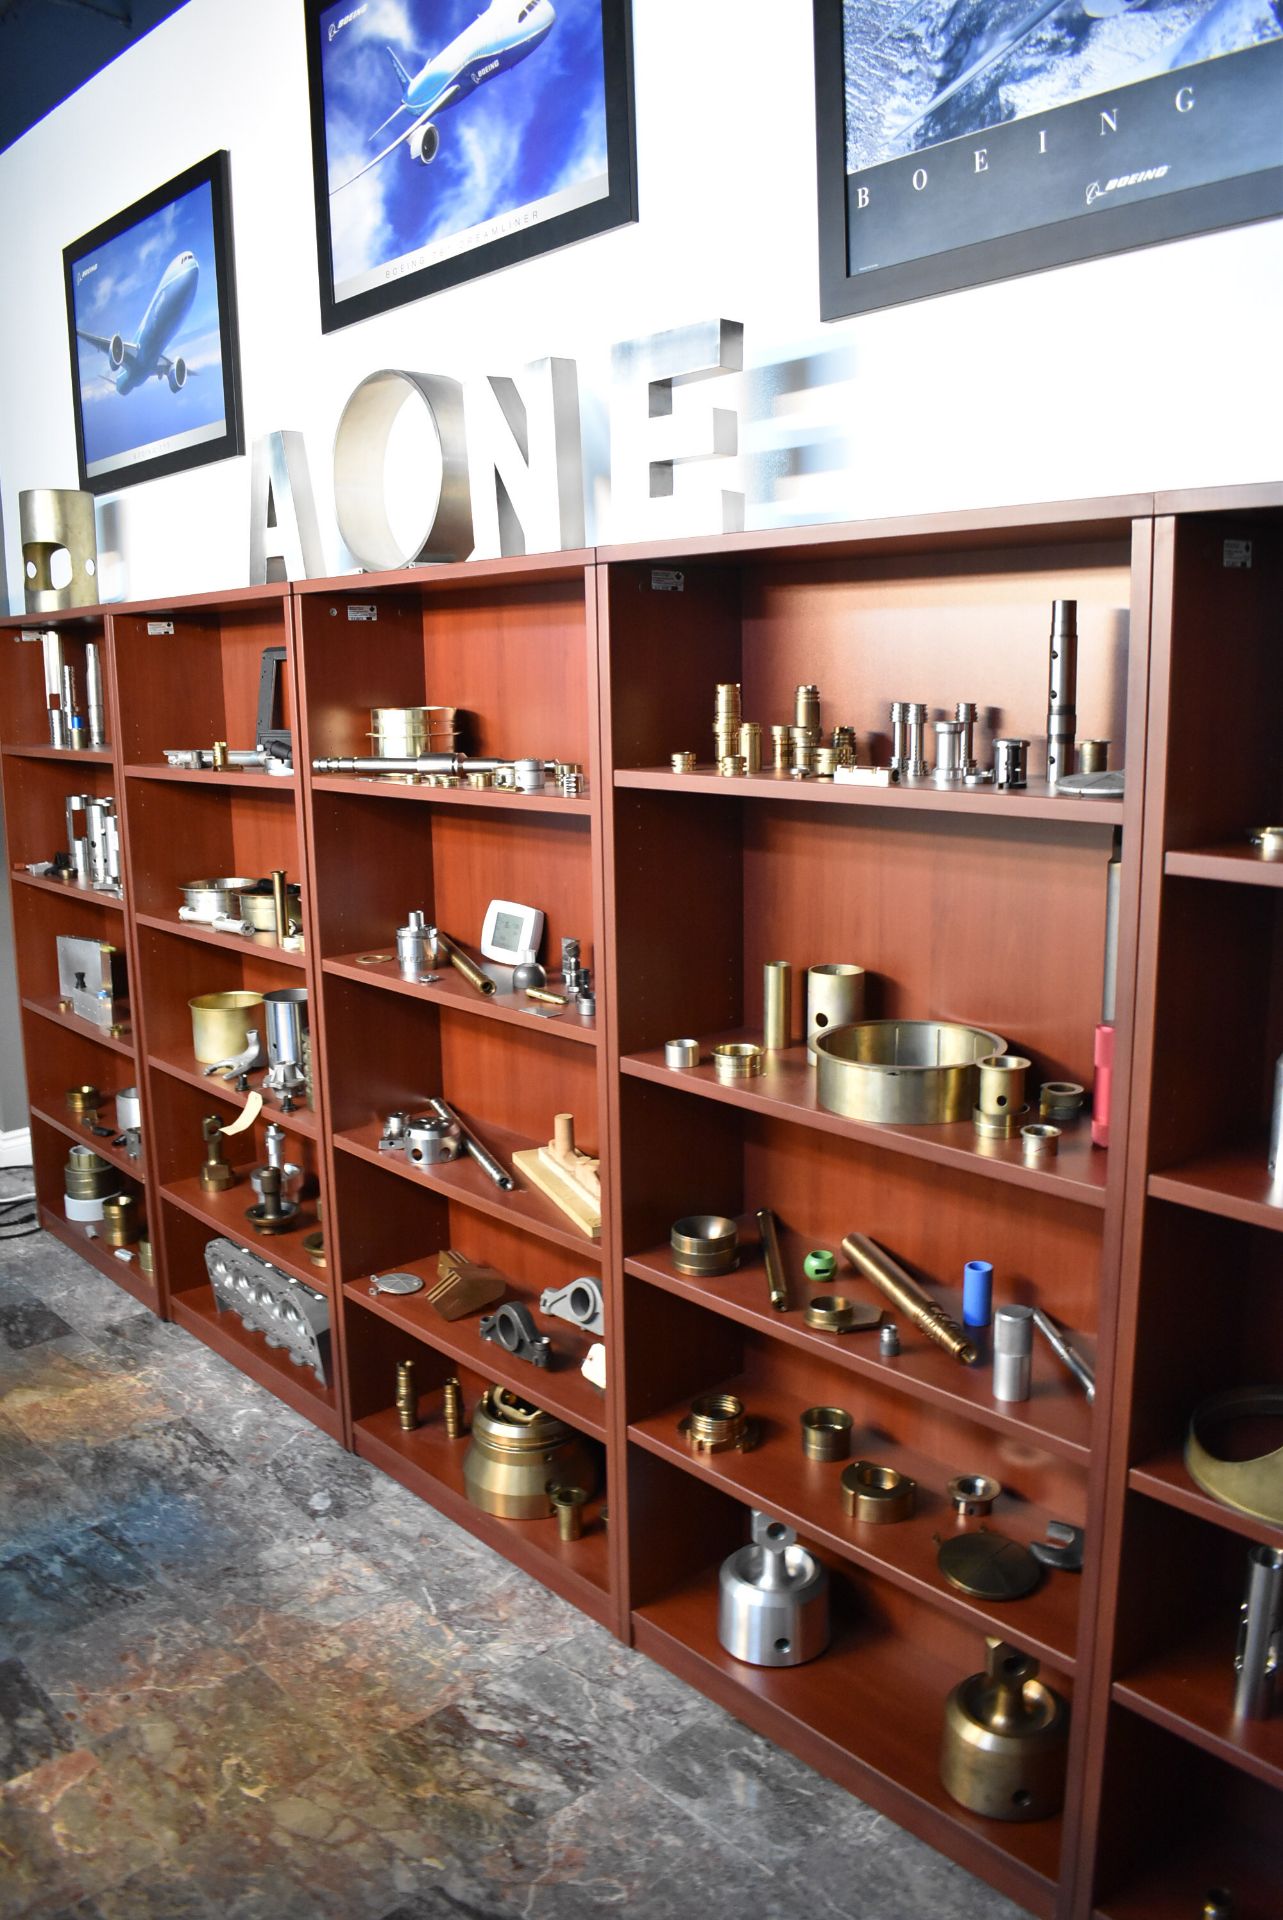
x=1276, y=1121
x=777, y=980
x=1260, y=1635
x=913, y=1301
x=915, y=714
x=949, y=765
x=776, y=1278
x=1062, y=691
x=964, y=713
x=482, y=1155
x=279, y=907
x=1113, y=906
x=422, y=763
x=93, y=695
x=463, y=963
x=69, y=703
x=900, y=736
x=1064, y=1352
x=1013, y=1341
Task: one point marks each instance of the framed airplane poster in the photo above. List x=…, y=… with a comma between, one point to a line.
x=960, y=143
x=451, y=137
x=151, y=317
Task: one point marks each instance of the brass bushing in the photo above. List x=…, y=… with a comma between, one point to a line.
x=682, y=762
x=118, y=1220
x=145, y=1260
x=877, y=1495
x=481, y=782
x=84, y=1100
x=973, y=1494
x=738, y=1060
x=1039, y=1141
x=568, y=1505
x=717, y=1423
x=732, y=766
x=516, y=1453
x=826, y=1433
x=831, y=1313
x=998, y=1126
x=704, y=1243
x=220, y=1021
x=1002, y=1082
x=88, y=1176
x=1060, y=1100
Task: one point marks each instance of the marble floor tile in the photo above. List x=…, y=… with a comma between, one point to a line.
x=28, y=1323
x=31, y=1728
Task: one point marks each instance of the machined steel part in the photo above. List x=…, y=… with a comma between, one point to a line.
x=964, y=713
x=834, y=998
x=1039, y=1141
x=287, y=1313
x=581, y=1303
x=119, y=1222
x=568, y=1504
x=517, y=1453
x=272, y=1213
x=683, y=762
x=1060, y=1346
x=512, y=1327
x=889, y=1340
x=1063, y=1547
x=1062, y=690
x=429, y=1140
x=988, y=1566
x=876, y=1494
x=1002, y=1083
x=704, y=1243
x=773, y=1599
x=1275, y=1157
x=972, y=1495
x=395, y=1283
x=834, y=1313
x=826, y=1433
x=1093, y=756
x=916, y=723
x=1260, y=1635
x=412, y=945
x=92, y=976
x=904, y=1293
x=1006, y=1740
x=216, y=1175
x=902, y=1072
x=1060, y=1100
x=681, y=1054
x=1010, y=762
x=478, y=1152
x=1013, y=1345
x=900, y=736
x=717, y=1423
x=450, y=763
x=950, y=765
x=84, y=1100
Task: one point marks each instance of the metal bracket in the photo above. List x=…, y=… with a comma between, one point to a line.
x=1062, y=1548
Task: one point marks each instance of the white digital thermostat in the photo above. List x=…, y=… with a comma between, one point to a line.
x=511, y=934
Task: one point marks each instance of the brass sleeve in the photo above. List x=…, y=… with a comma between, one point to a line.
x=903, y=1291
x=464, y=964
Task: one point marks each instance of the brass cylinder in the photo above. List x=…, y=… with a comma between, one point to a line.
x=464, y=964
x=731, y=766
x=568, y=1505
x=716, y=1423
x=1093, y=756
x=407, y=1396
x=781, y=748
x=87, y=1176
x=219, y=756
x=877, y=1495
x=750, y=746
x=1006, y=1737
x=118, y=1222
x=737, y=1060
x=452, y=1408
x=704, y=1243
x=826, y=1433
x=777, y=1284
x=683, y=762
x=1002, y=1083
x=834, y=998
x=84, y=1100
x=145, y=1260
x=903, y=1292
x=777, y=987
x=516, y=1453
x=220, y=1023
x=280, y=907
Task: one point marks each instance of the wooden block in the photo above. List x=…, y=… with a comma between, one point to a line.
x=558, y=1189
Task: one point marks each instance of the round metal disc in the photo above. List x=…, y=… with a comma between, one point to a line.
x=988, y=1566
x=395, y=1283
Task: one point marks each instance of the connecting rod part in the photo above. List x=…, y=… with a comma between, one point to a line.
x=776, y=1278
x=877, y=1266
x=481, y=1154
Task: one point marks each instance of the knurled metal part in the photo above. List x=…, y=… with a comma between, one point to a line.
x=717, y=1423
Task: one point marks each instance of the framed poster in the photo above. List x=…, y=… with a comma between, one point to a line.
x=961, y=142
x=448, y=141
x=151, y=318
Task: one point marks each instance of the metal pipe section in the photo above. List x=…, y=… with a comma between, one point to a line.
x=913, y=1301
x=421, y=763
x=1013, y=1341
x=1062, y=691
x=481, y=1154
x=1260, y=1636
x=1113, y=906
x=1064, y=1352
x=776, y=1278
x=461, y=961
x=777, y=979
x=93, y=695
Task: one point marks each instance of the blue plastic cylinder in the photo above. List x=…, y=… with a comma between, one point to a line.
x=977, y=1293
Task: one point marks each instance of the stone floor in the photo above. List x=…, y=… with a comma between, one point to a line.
x=244, y=1675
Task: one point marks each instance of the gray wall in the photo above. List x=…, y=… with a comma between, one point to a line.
x=13, y=1086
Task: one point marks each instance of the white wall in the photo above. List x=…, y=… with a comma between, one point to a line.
x=1152, y=369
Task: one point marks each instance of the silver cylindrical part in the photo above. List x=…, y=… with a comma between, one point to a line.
x=410, y=763
x=916, y=721
x=964, y=713
x=1013, y=1345
x=949, y=762
x=1002, y=1083
x=1260, y=1635
x=1062, y=690
x=834, y=998
x=285, y=1011
x=530, y=775
x=412, y=945
x=1276, y=1121
x=96, y=814
x=1064, y=1352
x=129, y=1111
x=1010, y=762
x=773, y=1601
x=70, y=704
x=777, y=990
x=900, y=735
x=1113, y=905
x=93, y=695
x=481, y=1154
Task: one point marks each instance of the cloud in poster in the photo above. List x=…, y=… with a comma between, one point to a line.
x=529, y=132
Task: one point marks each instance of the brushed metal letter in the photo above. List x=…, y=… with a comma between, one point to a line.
x=284, y=539
x=526, y=458
x=650, y=439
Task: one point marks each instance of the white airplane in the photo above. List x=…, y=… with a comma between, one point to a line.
x=507, y=32
x=135, y=361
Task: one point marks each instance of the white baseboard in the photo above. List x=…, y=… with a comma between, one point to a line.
x=15, y=1148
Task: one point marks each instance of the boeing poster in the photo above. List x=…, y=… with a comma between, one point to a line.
x=455, y=138
x=146, y=308
x=976, y=140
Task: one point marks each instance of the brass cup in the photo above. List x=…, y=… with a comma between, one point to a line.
x=220, y=1023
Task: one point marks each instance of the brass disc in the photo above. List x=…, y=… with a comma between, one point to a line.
x=988, y=1566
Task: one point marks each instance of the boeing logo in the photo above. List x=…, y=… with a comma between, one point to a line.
x=336, y=26
x=1096, y=192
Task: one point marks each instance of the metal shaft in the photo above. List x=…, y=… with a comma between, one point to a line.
x=964, y=713
x=482, y=1155
x=1276, y=1121
x=776, y=1278
x=1064, y=1352
x=93, y=695
x=876, y=1266
x=1260, y=1635
x=422, y=763
x=900, y=735
x=1113, y=904
x=70, y=705
x=279, y=905
x=777, y=977
x=1062, y=691
x=916, y=717
x=463, y=963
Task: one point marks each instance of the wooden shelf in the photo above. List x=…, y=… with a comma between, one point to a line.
x=1035, y=802
x=806, y=1494
x=261, y=945
x=1240, y=865
x=1166, y=1478
x=431, y=1466
x=559, y=1389
x=67, y=890
x=487, y=798
x=302, y=1120
x=248, y=778
x=867, y=1713
x=1189, y=1689
x=463, y=1181
x=125, y=1273
x=1056, y=1415
x=85, y=756
x=48, y=1009
x=224, y=1213
x=454, y=993
x=786, y=1090
x=1234, y=1182
x=194, y=1308
x=83, y=1137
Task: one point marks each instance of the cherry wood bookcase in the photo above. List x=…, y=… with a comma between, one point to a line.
x=1161, y=1254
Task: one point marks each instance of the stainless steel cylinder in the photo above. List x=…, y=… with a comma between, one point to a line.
x=834, y=998
x=950, y=766
x=211, y=900
x=916, y=720
x=1260, y=1637
x=1062, y=691
x=680, y=1054
x=1039, y=1141
x=429, y=1140
x=530, y=775
x=1093, y=756
x=93, y=695
x=258, y=905
x=1010, y=762
x=1276, y=1122
x=1013, y=1345
x=964, y=713
x=412, y=946
x=1002, y=1083
x=773, y=1600
x=1113, y=907
x=285, y=1011
x=900, y=735
x=777, y=989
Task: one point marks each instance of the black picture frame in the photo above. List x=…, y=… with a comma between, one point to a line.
x=197, y=201
x=1034, y=221
x=524, y=237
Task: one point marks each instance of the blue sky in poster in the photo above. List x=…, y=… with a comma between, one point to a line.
x=111, y=290
x=524, y=134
